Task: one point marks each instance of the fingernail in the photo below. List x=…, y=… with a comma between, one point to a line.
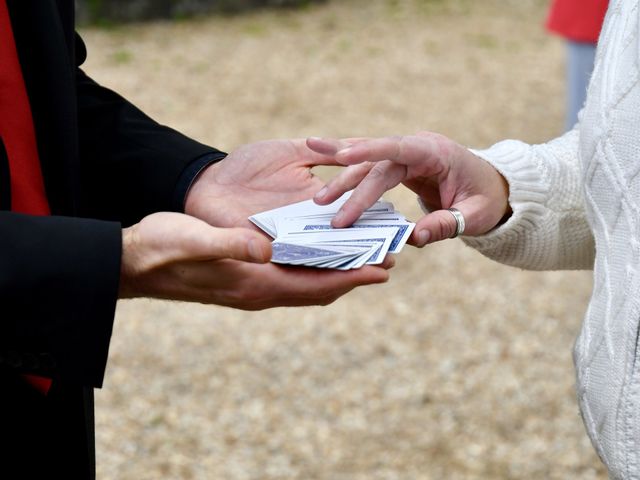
x=255, y=252
x=315, y=138
x=321, y=193
x=423, y=237
x=345, y=150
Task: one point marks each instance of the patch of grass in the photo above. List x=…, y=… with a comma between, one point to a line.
x=431, y=46
x=288, y=21
x=344, y=45
x=394, y=8
x=122, y=57
x=255, y=29
x=460, y=7
x=181, y=16
x=329, y=23
x=483, y=40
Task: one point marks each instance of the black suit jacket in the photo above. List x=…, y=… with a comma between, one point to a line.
x=105, y=164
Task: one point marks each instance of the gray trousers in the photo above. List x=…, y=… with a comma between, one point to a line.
x=580, y=59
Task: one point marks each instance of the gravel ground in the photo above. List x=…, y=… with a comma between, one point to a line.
x=458, y=368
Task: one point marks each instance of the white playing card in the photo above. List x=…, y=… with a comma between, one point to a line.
x=295, y=254
x=266, y=220
x=337, y=236
x=304, y=236
x=403, y=228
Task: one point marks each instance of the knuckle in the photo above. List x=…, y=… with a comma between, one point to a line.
x=341, y=182
x=377, y=173
x=363, y=168
x=399, y=148
x=433, y=136
x=355, y=204
x=444, y=146
x=229, y=247
x=238, y=245
x=444, y=228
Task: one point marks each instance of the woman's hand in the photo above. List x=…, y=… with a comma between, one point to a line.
x=443, y=173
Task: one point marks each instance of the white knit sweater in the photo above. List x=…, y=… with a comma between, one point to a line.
x=576, y=200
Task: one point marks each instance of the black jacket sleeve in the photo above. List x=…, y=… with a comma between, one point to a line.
x=58, y=291
x=131, y=165
x=59, y=275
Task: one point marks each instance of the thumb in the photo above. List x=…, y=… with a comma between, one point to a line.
x=239, y=244
x=435, y=226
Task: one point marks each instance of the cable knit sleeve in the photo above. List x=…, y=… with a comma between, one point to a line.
x=548, y=229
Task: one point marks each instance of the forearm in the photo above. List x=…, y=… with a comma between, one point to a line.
x=547, y=229
x=131, y=166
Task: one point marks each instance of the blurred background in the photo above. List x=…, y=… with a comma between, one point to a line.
x=458, y=368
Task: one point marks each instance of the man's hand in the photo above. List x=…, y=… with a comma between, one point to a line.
x=175, y=256
x=442, y=173
x=254, y=178
x=180, y=257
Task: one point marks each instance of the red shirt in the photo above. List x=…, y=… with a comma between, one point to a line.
x=16, y=128
x=577, y=20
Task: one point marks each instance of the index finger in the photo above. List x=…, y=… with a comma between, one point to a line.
x=382, y=177
x=428, y=152
x=330, y=146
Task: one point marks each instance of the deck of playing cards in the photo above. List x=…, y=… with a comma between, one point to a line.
x=304, y=236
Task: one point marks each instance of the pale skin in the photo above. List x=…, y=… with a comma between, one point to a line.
x=441, y=172
x=212, y=254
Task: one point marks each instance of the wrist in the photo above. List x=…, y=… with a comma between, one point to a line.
x=127, y=262
x=189, y=177
x=204, y=185
x=506, y=206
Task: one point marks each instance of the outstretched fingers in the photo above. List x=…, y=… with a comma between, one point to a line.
x=380, y=178
x=331, y=146
x=346, y=180
x=424, y=155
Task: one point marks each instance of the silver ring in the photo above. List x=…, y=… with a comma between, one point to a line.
x=459, y=221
